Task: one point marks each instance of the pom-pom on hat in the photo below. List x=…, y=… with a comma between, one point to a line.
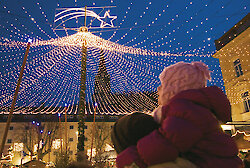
x=182, y=76
x=130, y=128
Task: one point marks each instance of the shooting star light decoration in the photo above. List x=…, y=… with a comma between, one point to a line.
x=66, y=14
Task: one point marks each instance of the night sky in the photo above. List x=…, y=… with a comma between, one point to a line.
x=182, y=30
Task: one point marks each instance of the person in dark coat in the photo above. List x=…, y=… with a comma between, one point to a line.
x=189, y=114
x=125, y=135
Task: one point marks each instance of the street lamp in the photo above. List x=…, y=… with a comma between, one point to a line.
x=60, y=130
x=66, y=129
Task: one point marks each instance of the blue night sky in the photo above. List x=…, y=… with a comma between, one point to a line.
x=52, y=75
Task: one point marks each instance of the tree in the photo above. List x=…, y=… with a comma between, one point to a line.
x=62, y=160
x=37, y=137
x=101, y=137
x=82, y=102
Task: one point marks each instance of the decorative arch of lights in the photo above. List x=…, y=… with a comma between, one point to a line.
x=52, y=73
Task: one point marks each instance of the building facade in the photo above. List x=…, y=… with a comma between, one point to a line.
x=233, y=52
x=24, y=137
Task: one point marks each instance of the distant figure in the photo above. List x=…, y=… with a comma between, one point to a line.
x=190, y=114
x=126, y=134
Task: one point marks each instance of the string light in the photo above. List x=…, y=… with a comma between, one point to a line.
x=52, y=73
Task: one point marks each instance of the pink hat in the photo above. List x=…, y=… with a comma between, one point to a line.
x=182, y=76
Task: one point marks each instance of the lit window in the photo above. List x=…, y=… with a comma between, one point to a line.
x=18, y=147
x=56, y=144
x=246, y=101
x=237, y=67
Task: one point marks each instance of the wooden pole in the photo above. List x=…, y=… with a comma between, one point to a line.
x=60, y=131
x=82, y=103
x=85, y=21
x=66, y=130
x=93, y=135
x=38, y=140
x=14, y=100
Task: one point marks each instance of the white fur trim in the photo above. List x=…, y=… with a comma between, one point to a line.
x=157, y=114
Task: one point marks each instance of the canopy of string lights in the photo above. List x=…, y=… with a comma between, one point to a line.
x=128, y=44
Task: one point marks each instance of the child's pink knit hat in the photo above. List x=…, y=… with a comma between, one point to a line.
x=182, y=76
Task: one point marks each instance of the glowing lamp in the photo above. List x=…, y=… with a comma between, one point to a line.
x=226, y=127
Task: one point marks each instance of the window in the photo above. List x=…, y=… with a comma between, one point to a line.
x=18, y=147
x=246, y=101
x=71, y=127
x=237, y=67
x=11, y=127
x=85, y=138
x=9, y=141
x=56, y=144
x=71, y=139
x=85, y=127
x=113, y=117
x=100, y=117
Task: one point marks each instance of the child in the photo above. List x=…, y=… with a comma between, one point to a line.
x=125, y=134
x=190, y=114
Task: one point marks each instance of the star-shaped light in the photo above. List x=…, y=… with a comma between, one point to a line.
x=107, y=20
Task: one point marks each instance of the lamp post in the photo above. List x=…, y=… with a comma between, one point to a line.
x=39, y=131
x=14, y=99
x=60, y=131
x=66, y=129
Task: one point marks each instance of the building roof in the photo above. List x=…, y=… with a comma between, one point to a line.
x=237, y=29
